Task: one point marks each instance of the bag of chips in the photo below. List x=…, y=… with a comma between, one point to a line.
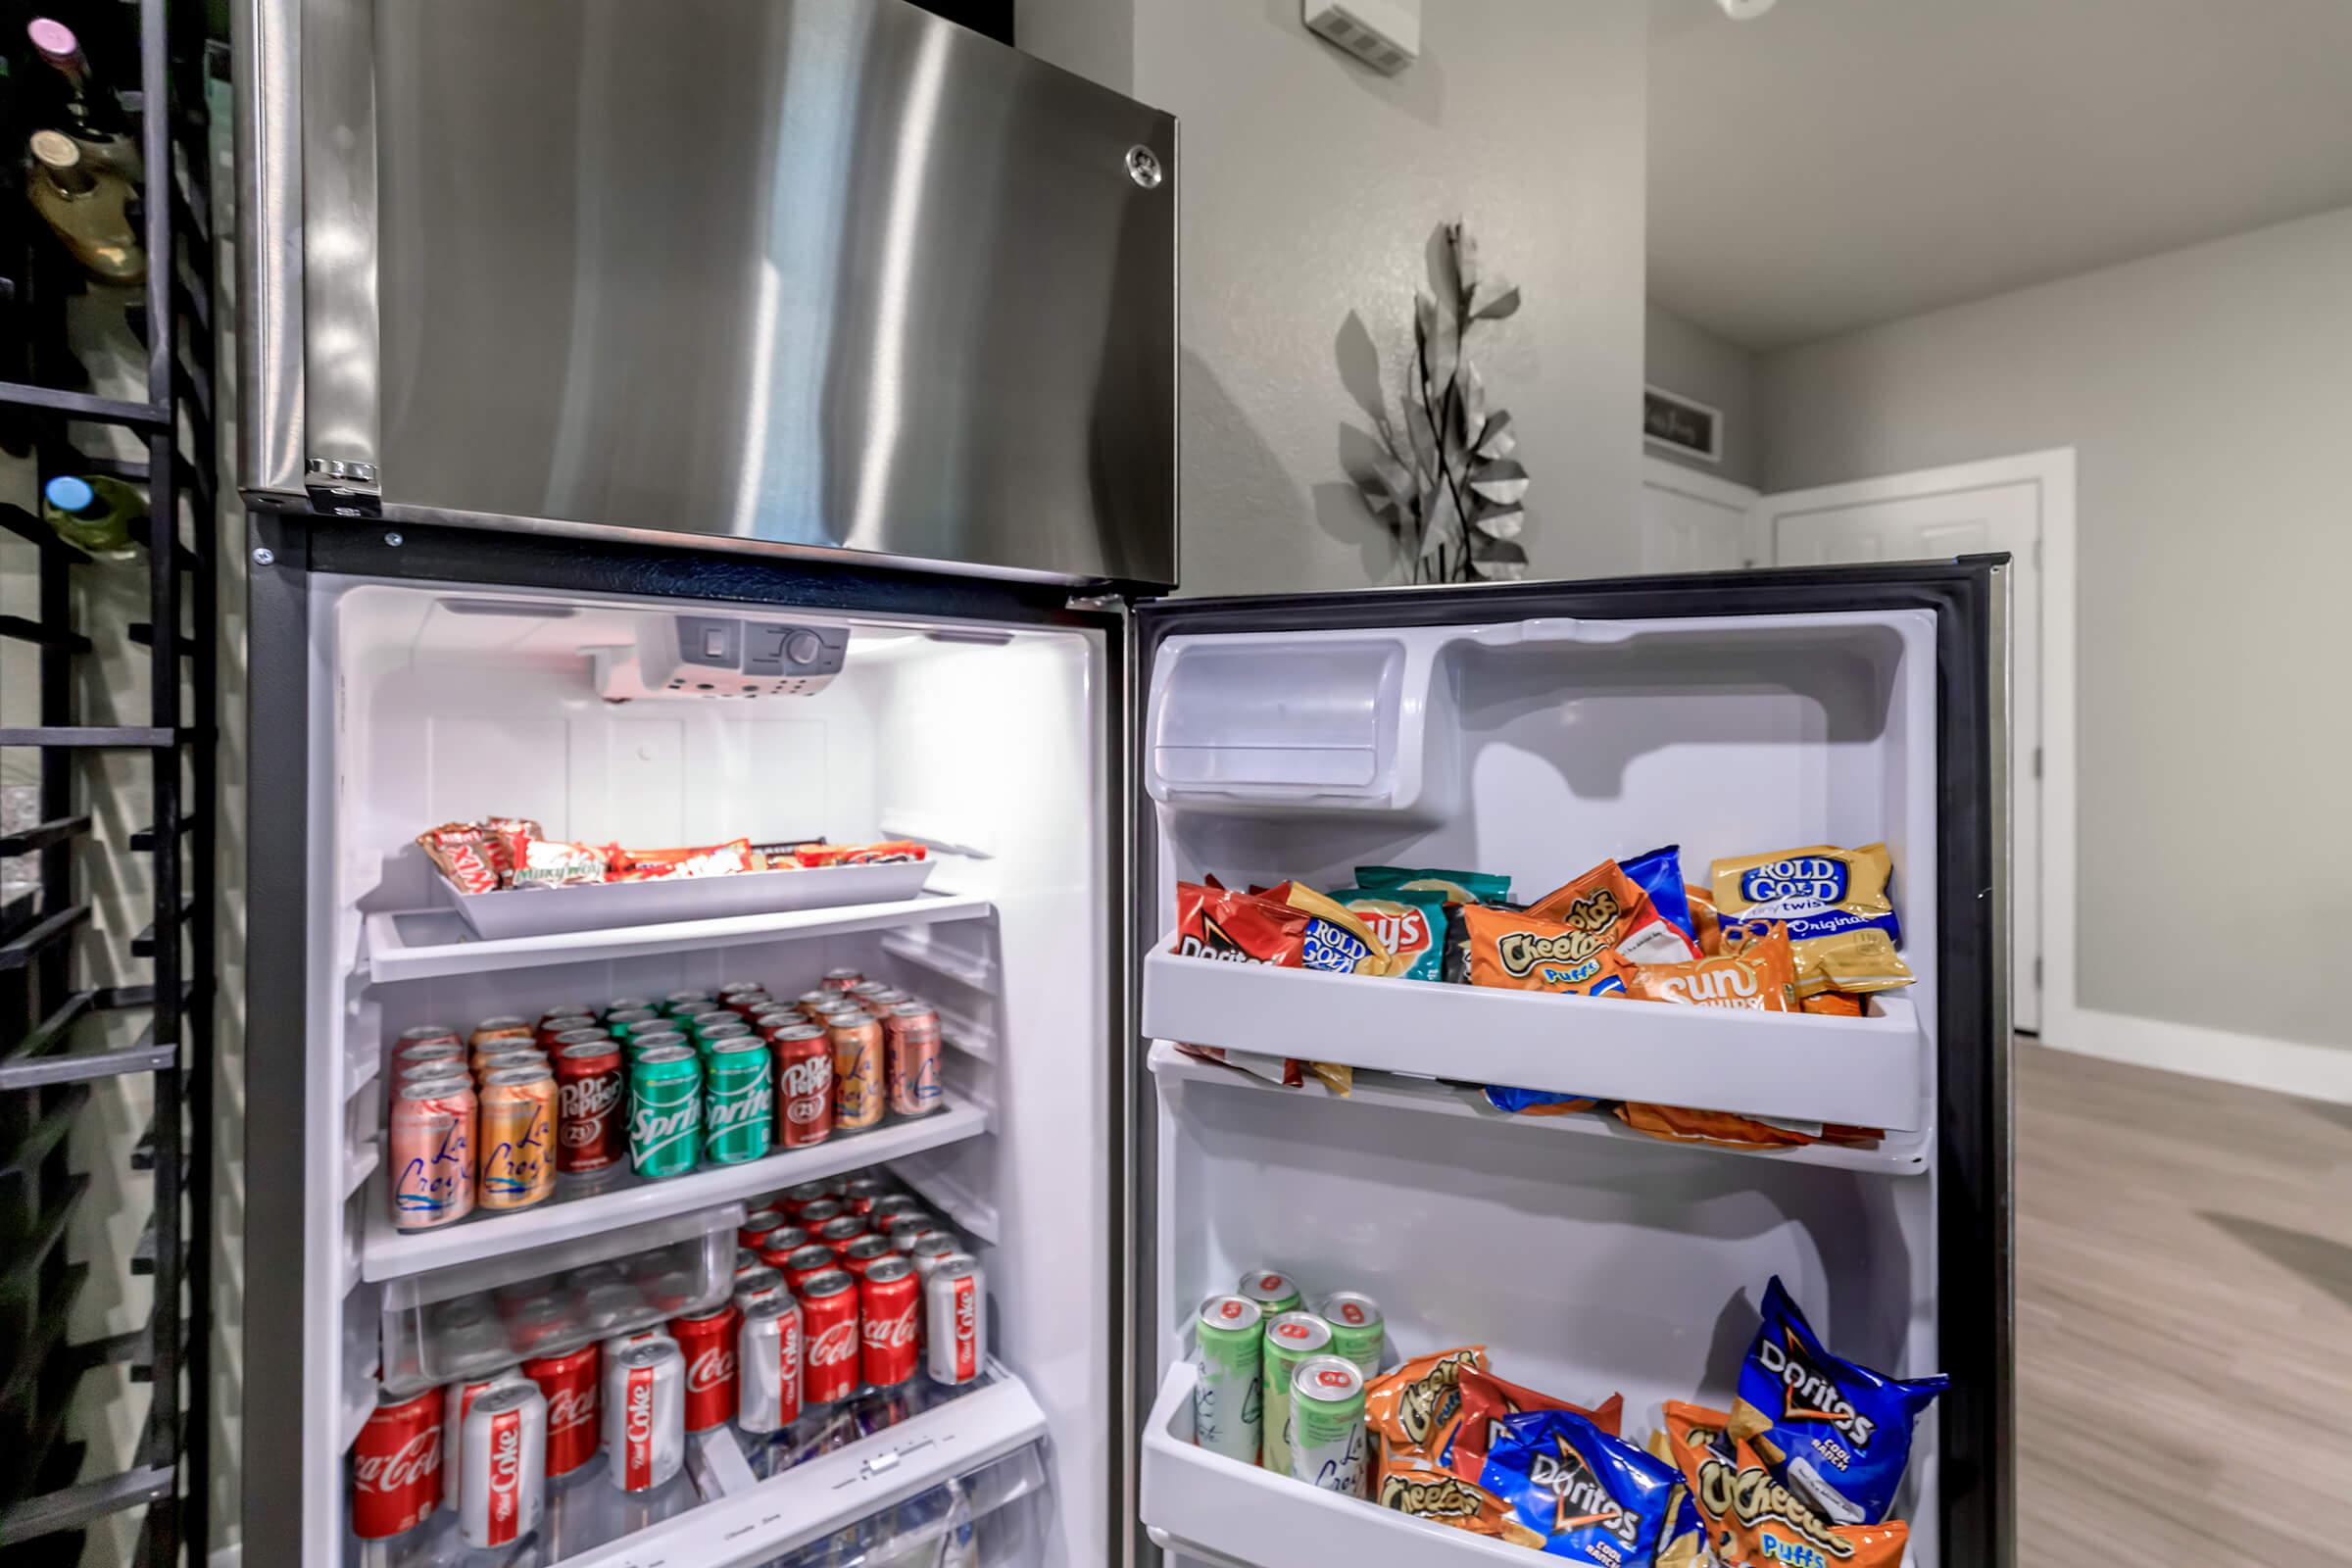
x=1487, y=1400
x=1593, y=1498
x=1682, y=1539
x=1416, y=1405
x=1410, y=922
x=1751, y=1519
x=1681, y=1125
x=1833, y=1004
x=1212, y=921
x=1704, y=922
x=1606, y=903
x=1757, y=974
x=1841, y=924
x=1659, y=874
x=1833, y=1431
x=1528, y=951
x=1336, y=941
x=1455, y=887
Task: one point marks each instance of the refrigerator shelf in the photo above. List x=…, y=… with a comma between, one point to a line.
x=1869, y=1071
x=574, y=912
x=628, y=1199
x=423, y=943
x=936, y=1185
x=1898, y=1155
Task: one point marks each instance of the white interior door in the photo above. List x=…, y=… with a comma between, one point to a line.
x=1693, y=521
x=1951, y=512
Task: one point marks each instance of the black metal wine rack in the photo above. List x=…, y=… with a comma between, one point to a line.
x=49, y=1016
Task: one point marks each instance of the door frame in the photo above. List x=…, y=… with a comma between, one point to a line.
x=1662, y=473
x=2052, y=473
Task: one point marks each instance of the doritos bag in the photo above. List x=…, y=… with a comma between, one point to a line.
x=1841, y=925
x=1410, y=922
x=1659, y=874
x=1592, y=1498
x=1455, y=887
x=1833, y=1431
x=1751, y=1519
x=1212, y=921
x=1606, y=903
x=1487, y=1400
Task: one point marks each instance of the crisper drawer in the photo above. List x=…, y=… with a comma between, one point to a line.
x=454, y=1322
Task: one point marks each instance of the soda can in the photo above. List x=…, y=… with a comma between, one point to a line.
x=417, y=1053
x=781, y=1243
x=418, y=1072
x=709, y=1030
x=1327, y=1425
x=867, y=988
x=815, y=1216
x=910, y=1043
x=645, y=1426
x=708, y=1341
x=895, y=1206
x=396, y=1466
x=1357, y=1327
x=768, y=1350
x=549, y=1030
x=432, y=1138
x=503, y=1455
x=639, y=1041
x=839, y=1232
x=666, y=1111
x=538, y=1321
x=802, y=1056
x=1273, y=1293
x=426, y=1034
x=760, y=1284
x=614, y=1344
x=738, y=1109
x=469, y=1335
x=678, y=1002
x=830, y=1359
x=518, y=1139
x=570, y=1381
x=796, y=1200
x=904, y=1230
x=592, y=1092
x=858, y=1195
x=746, y=1260
x=811, y=1002
x=1291, y=1339
x=1230, y=1336
x=456, y=1399
x=505, y=1058
x=929, y=1251
x=581, y=1033
x=889, y=1306
x=842, y=980
x=492, y=1030
x=807, y=1264
x=857, y=1088
x=756, y=1224
x=955, y=1319
x=864, y=1252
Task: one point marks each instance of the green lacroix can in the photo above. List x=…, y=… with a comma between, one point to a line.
x=739, y=1105
x=666, y=1111
x=1227, y=1402
x=1273, y=1293
x=1327, y=1425
x=1291, y=1339
x=1357, y=1327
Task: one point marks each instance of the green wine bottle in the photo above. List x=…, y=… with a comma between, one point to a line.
x=95, y=514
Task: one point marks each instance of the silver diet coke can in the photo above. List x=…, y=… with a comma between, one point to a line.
x=955, y=1319
x=768, y=1352
x=929, y=1250
x=645, y=1415
x=504, y=1465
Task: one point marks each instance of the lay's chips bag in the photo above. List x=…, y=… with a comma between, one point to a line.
x=1453, y=887
x=1593, y=1498
x=1841, y=924
x=1410, y=922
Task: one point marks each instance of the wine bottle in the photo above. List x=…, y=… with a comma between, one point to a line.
x=87, y=208
x=86, y=108
x=95, y=514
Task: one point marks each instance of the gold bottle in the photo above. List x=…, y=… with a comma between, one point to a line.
x=87, y=208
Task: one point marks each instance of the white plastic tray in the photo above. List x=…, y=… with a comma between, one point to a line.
x=1865, y=1071
x=601, y=907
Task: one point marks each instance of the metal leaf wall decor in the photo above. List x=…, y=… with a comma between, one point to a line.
x=1449, y=484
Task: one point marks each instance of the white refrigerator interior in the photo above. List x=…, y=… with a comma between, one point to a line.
x=438, y=704
x=1588, y=1259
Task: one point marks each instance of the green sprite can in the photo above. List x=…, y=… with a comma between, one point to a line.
x=626, y=1021
x=739, y=1105
x=1273, y=1293
x=645, y=1039
x=624, y=1004
x=1291, y=1339
x=678, y=1002
x=1327, y=1425
x=1356, y=1328
x=1227, y=1400
x=666, y=1111
x=716, y=1026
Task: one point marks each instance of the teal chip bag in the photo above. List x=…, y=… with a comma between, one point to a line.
x=1453, y=887
x=1410, y=923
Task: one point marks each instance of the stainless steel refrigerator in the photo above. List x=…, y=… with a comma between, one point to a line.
x=758, y=419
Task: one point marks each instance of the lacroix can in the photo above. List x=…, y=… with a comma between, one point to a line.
x=505, y=1456
x=890, y=1304
x=1356, y=1328
x=831, y=1355
x=708, y=1341
x=859, y=1096
x=666, y=1111
x=417, y=1053
x=1273, y=1293
x=432, y=1138
x=518, y=1139
x=396, y=1466
x=505, y=1055
x=491, y=1029
x=910, y=1043
x=426, y=1034
x=570, y=1382
x=645, y=1426
x=1228, y=1399
x=955, y=1319
x=803, y=1054
x=769, y=1351
x=1291, y=1339
x=842, y=980
x=739, y=1113
x=1327, y=1425
x=592, y=1095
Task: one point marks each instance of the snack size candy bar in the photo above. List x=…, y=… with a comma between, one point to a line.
x=553, y=863
x=1659, y=874
x=1840, y=922
x=1606, y=903
x=1537, y=1102
x=1750, y=1518
x=1532, y=953
x=1455, y=887
x=465, y=853
x=1487, y=1400
x=1758, y=974
x=1410, y=922
x=1832, y=1430
x=717, y=859
x=1593, y=1497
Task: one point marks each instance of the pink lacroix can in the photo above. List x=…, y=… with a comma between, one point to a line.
x=769, y=1354
x=505, y=1464
x=843, y=980
x=911, y=1046
x=889, y=1309
x=432, y=1136
x=859, y=1094
x=645, y=1424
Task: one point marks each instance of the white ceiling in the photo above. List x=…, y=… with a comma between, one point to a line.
x=1834, y=163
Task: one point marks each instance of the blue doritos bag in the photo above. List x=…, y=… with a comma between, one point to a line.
x=1659, y=873
x=1840, y=1434
x=1592, y=1498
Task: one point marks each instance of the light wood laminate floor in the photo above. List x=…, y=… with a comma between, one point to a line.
x=2184, y=1320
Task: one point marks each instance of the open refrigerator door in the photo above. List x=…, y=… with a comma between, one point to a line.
x=1372, y=1100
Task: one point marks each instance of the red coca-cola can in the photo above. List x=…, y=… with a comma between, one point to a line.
x=396, y=1466
x=858, y=1194
x=756, y=1224
x=746, y=1260
x=839, y=1233
x=831, y=1355
x=782, y=1242
x=807, y=1264
x=803, y=1071
x=537, y=1321
x=818, y=1215
x=794, y=1200
x=904, y=1230
x=592, y=1117
x=890, y=1301
x=892, y=1205
x=707, y=1342
x=863, y=1252
x=570, y=1381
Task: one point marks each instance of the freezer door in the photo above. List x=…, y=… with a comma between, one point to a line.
x=1337, y=753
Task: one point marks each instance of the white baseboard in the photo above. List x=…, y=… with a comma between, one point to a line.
x=2284, y=1066
x=231, y=1556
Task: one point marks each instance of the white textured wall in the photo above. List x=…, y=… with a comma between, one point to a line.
x=1311, y=189
x=2207, y=392
x=1683, y=358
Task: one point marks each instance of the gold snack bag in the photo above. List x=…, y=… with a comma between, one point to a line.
x=1841, y=925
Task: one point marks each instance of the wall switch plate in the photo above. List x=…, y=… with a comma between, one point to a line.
x=1384, y=34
